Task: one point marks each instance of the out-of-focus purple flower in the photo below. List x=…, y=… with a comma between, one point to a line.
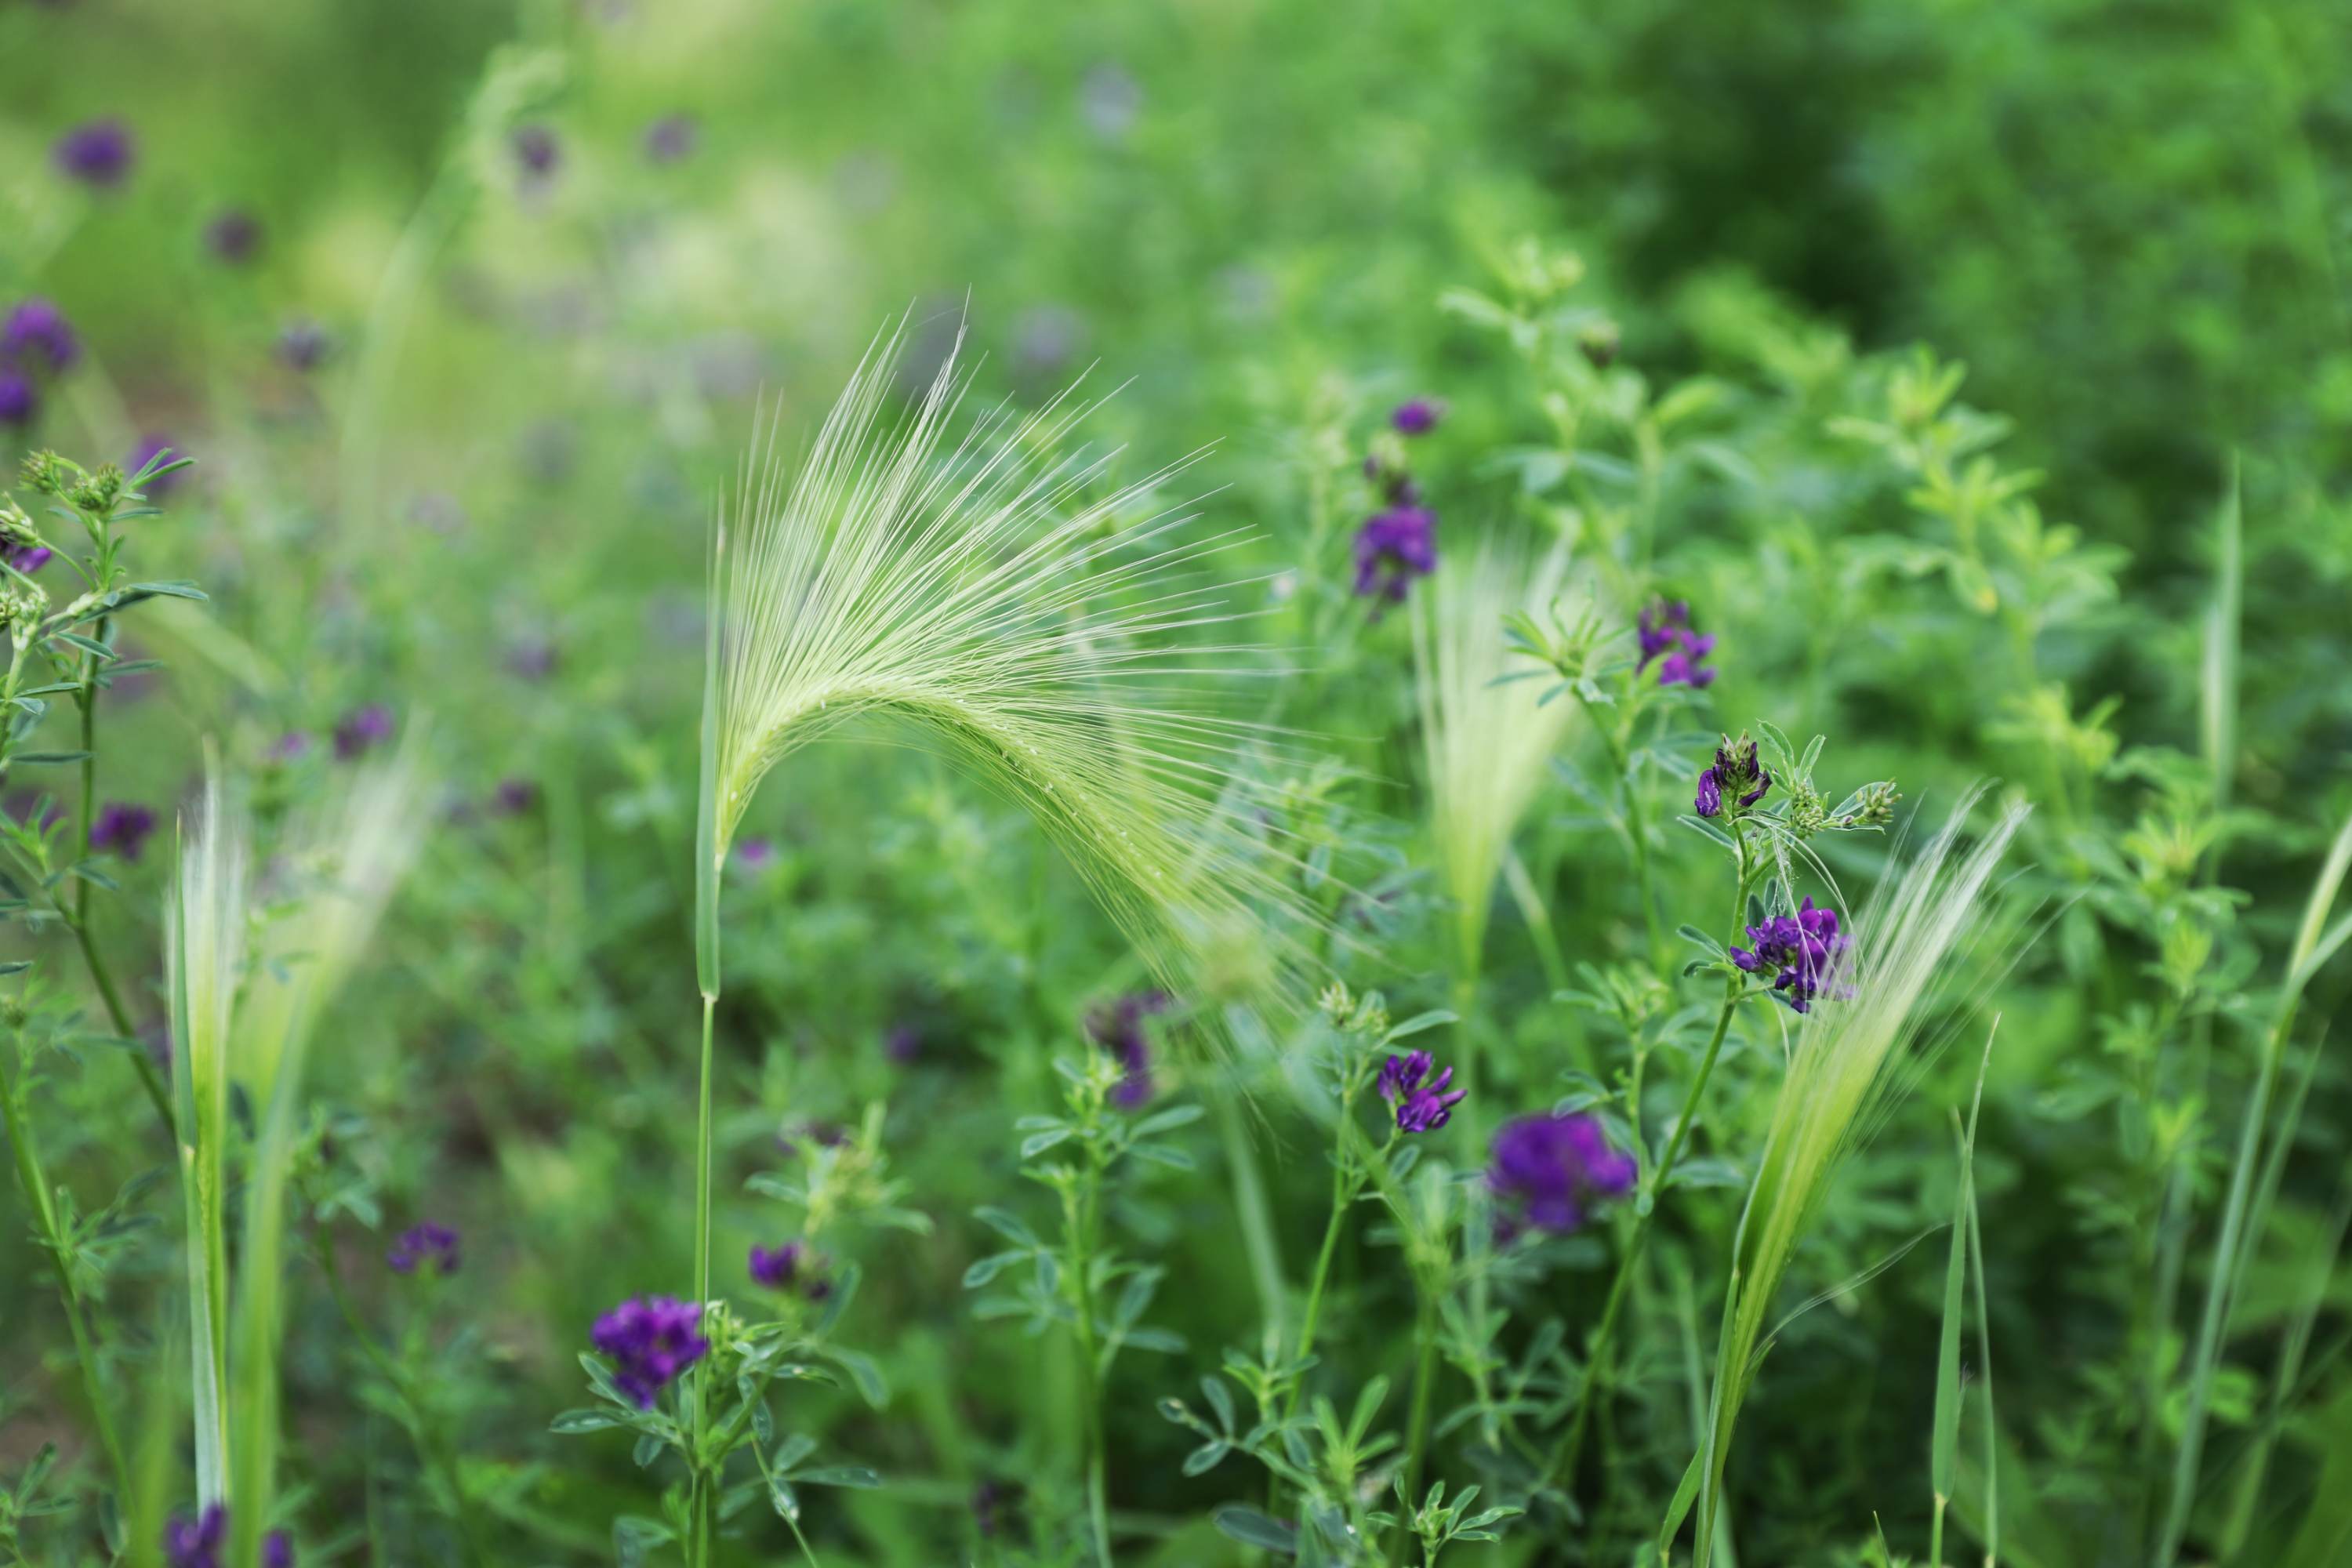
x=427, y=1246
x=532, y=659
x=20, y=400
x=278, y=1550
x=121, y=828
x=796, y=1266
x=292, y=747
x=1804, y=948
x=36, y=328
x=672, y=138
x=651, y=1340
x=234, y=237
x=150, y=449
x=1420, y=1107
x=197, y=1543
x=27, y=558
x=362, y=728
x=1552, y=1169
x=97, y=153
x=1118, y=1029
x=1665, y=635
x=514, y=797
x=755, y=855
x=538, y=152
x=903, y=1044
x=1393, y=548
x=1418, y=417
x=303, y=346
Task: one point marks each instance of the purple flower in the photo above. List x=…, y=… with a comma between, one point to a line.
x=1118, y=1029
x=361, y=729
x=234, y=237
x=755, y=855
x=1420, y=1107
x=1709, y=802
x=1393, y=548
x=292, y=747
x=903, y=1043
x=536, y=149
x=122, y=829
x=150, y=449
x=1804, y=948
x=426, y=1243
x=651, y=1340
x=303, y=346
x=20, y=400
x=97, y=153
x=27, y=558
x=532, y=659
x=37, y=327
x=278, y=1550
x=197, y=1543
x=794, y=1266
x=1553, y=1169
x=671, y=138
x=1735, y=772
x=514, y=797
x=1664, y=634
x=1418, y=417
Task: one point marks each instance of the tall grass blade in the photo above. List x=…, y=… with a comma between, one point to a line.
x=1945, y=1444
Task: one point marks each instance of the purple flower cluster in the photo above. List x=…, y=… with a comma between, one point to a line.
x=651, y=1340
x=796, y=1266
x=422, y=1246
x=671, y=138
x=1118, y=1029
x=1666, y=636
x=199, y=1542
x=234, y=237
x=1398, y=542
x=361, y=730
x=1420, y=1107
x=97, y=153
x=1552, y=1169
x=36, y=342
x=122, y=829
x=1804, y=948
x=1736, y=773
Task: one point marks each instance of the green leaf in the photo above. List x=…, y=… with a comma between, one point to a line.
x=1167, y=1121
x=866, y=1373
x=856, y=1476
x=1037, y=1143
x=587, y=1421
x=984, y=1269
x=1420, y=1021
x=1252, y=1528
x=48, y=756
x=1008, y=1225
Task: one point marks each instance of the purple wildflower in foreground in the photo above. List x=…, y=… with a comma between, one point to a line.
x=199, y=1542
x=97, y=153
x=651, y=1340
x=1420, y=1107
x=423, y=1245
x=1118, y=1029
x=1393, y=548
x=38, y=328
x=122, y=829
x=1418, y=417
x=1665, y=635
x=1804, y=948
x=20, y=400
x=1552, y=1169
x=362, y=728
x=671, y=138
x=234, y=237
x=1736, y=771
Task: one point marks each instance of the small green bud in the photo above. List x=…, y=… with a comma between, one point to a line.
x=46, y=472
x=100, y=492
x=1600, y=344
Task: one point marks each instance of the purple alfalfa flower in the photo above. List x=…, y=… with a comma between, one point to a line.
x=1683, y=667
x=361, y=729
x=1664, y=634
x=514, y=797
x=197, y=1543
x=1709, y=800
x=1552, y=1169
x=26, y=558
x=121, y=828
x=755, y=855
x=292, y=747
x=651, y=1340
x=234, y=237
x=38, y=330
x=151, y=447
x=20, y=400
x=1118, y=1029
x=1393, y=548
x=794, y=1265
x=903, y=1043
x=1418, y=416
x=672, y=138
x=1422, y=1103
x=1660, y=627
x=425, y=1245
x=537, y=152
x=278, y=1550
x=1802, y=953
x=97, y=153
x=1736, y=771
x=303, y=346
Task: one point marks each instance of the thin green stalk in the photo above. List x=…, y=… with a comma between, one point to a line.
x=1079, y=1211
x=705, y=1484
x=1255, y=1215
x=36, y=1183
x=1424, y=1387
